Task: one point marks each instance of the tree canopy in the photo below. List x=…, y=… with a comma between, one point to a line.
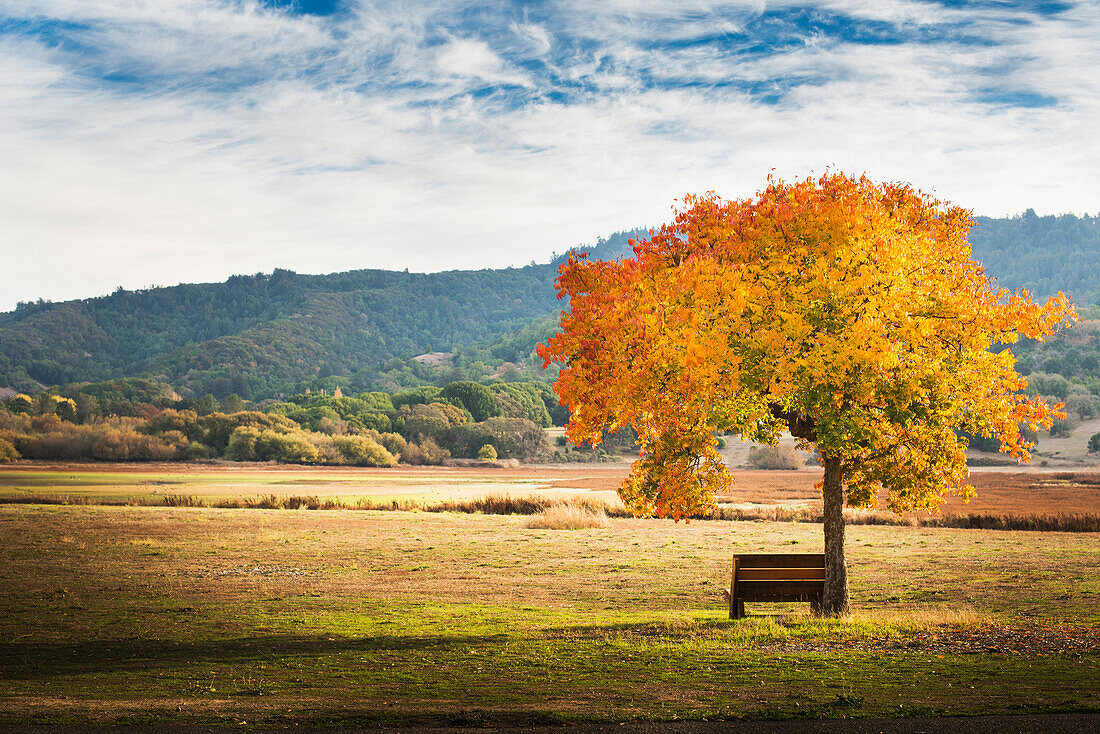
x=845, y=311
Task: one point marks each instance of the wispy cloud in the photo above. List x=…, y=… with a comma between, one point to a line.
x=154, y=141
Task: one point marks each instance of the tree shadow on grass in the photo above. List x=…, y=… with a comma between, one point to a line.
x=34, y=660
x=792, y=618
x=658, y=629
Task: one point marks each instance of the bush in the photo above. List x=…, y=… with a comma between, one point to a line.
x=363, y=451
x=114, y=440
x=1094, y=443
x=20, y=403
x=487, y=453
x=1082, y=405
x=8, y=453
x=513, y=438
x=431, y=419
x=220, y=426
x=184, y=421
x=427, y=452
x=775, y=457
x=395, y=443
x=373, y=421
x=522, y=400
x=1062, y=427
x=1041, y=383
x=252, y=444
x=196, y=450
x=415, y=396
x=476, y=398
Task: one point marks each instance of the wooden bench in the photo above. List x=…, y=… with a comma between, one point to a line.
x=775, y=577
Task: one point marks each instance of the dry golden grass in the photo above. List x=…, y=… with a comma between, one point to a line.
x=569, y=517
x=924, y=617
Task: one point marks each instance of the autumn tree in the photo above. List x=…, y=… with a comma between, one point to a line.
x=844, y=311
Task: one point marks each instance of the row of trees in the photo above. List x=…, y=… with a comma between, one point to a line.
x=149, y=422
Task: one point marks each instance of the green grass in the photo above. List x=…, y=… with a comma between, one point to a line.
x=201, y=615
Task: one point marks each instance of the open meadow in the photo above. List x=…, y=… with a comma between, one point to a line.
x=1000, y=490
x=206, y=615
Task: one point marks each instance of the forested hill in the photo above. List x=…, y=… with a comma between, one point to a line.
x=252, y=335
x=264, y=334
x=1043, y=254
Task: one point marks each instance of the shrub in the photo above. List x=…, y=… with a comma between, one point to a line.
x=395, y=443
x=252, y=444
x=522, y=400
x=114, y=440
x=1062, y=427
x=569, y=517
x=184, y=421
x=363, y=451
x=1094, y=443
x=476, y=398
x=1041, y=383
x=8, y=453
x=775, y=457
x=427, y=452
x=513, y=438
x=242, y=444
x=20, y=403
x=487, y=453
x=372, y=421
x=415, y=396
x=429, y=420
x=987, y=444
x=1082, y=405
x=220, y=426
x=196, y=450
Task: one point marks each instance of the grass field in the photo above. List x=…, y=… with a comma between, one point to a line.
x=137, y=483
x=998, y=490
x=114, y=614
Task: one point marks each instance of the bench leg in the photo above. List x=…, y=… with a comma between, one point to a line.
x=816, y=606
x=737, y=607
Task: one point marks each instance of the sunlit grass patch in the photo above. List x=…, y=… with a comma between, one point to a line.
x=569, y=517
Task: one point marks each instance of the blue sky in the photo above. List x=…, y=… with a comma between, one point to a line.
x=158, y=141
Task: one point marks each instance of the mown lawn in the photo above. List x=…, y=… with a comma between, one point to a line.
x=192, y=614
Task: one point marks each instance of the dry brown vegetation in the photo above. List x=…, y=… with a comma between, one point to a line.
x=563, y=516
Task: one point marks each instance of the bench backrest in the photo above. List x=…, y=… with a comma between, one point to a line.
x=778, y=576
x=781, y=560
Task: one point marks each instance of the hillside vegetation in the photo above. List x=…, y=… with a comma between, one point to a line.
x=261, y=336
x=140, y=420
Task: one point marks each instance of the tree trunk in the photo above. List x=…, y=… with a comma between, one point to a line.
x=835, y=601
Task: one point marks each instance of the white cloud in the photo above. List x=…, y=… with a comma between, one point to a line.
x=462, y=57
x=244, y=138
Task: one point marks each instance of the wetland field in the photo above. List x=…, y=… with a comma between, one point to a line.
x=119, y=609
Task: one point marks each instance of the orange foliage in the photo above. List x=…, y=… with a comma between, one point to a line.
x=844, y=310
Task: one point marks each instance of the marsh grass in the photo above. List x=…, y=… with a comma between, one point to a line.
x=565, y=516
x=503, y=504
